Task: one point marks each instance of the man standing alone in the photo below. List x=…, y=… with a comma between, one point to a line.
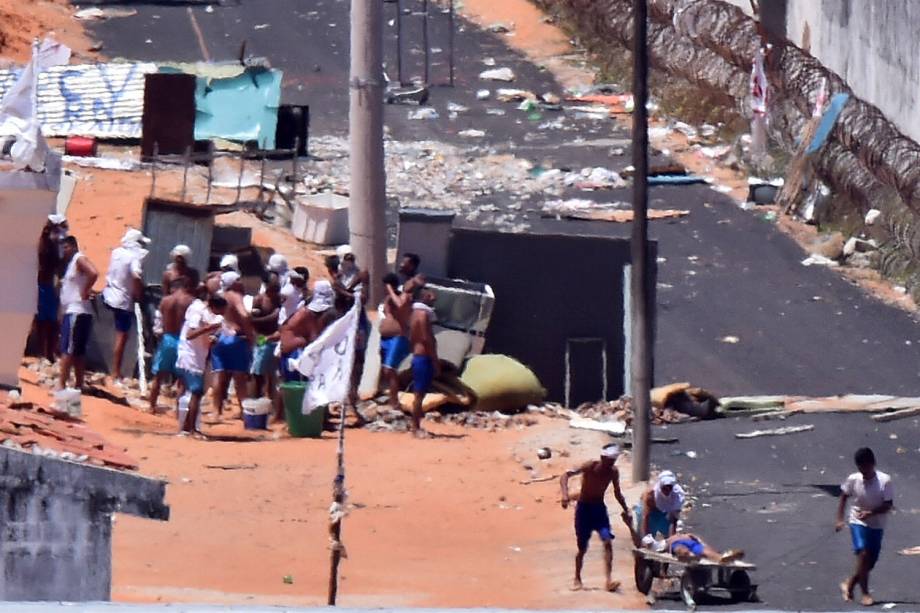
x=124, y=285
x=873, y=499
x=76, y=288
x=425, y=363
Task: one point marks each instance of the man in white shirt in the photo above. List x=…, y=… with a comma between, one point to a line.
x=124, y=285
x=873, y=499
x=203, y=321
x=76, y=289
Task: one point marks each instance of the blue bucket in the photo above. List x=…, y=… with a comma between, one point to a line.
x=255, y=422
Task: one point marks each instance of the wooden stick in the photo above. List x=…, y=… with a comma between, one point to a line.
x=335, y=528
x=141, y=358
x=539, y=480
x=895, y=415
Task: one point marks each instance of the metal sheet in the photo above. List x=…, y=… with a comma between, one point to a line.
x=102, y=100
x=168, y=224
x=243, y=108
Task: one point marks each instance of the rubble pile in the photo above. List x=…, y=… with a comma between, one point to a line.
x=622, y=410
x=382, y=418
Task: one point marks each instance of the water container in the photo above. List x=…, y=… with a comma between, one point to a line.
x=182, y=411
x=257, y=406
x=69, y=401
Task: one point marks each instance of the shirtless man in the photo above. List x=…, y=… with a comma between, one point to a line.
x=228, y=263
x=305, y=326
x=172, y=313
x=425, y=363
x=394, y=332
x=230, y=356
x=265, y=310
x=178, y=268
x=591, y=512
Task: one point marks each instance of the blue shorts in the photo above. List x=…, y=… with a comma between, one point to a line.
x=194, y=381
x=167, y=353
x=288, y=375
x=658, y=521
x=124, y=320
x=75, y=333
x=591, y=517
x=48, y=303
x=263, y=360
x=695, y=547
x=867, y=539
x=393, y=351
x=231, y=354
x=422, y=373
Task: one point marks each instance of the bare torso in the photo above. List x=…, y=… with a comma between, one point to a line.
x=421, y=335
x=396, y=318
x=266, y=322
x=173, y=308
x=595, y=479
x=236, y=318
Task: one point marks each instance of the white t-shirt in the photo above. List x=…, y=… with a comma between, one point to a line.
x=291, y=300
x=124, y=267
x=193, y=354
x=868, y=496
x=72, y=289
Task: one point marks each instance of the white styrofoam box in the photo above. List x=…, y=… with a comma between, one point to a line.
x=322, y=219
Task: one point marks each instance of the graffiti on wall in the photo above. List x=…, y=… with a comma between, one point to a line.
x=102, y=100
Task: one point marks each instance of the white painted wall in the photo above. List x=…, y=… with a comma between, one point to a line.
x=26, y=200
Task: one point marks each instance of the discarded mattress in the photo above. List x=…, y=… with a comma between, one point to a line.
x=502, y=383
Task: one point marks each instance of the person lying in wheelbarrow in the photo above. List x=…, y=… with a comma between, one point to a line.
x=689, y=548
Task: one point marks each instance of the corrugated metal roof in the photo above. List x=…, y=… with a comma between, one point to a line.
x=103, y=100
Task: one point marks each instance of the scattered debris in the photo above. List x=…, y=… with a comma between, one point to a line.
x=731, y=340
x=98, y=14
x=615, y=428
x=471, y=133
x=501, y=28
x=819, y=260
x=872, y=216
x=910, y=551
x=232, y=466
x=497, y=74
x=775, y=431
x=895, y=415
x=483, y=94
x=544, y=453
x=539, y=480
x=423, y=114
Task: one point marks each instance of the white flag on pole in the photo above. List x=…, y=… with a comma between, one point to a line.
x=18, y=108
x=328, y=362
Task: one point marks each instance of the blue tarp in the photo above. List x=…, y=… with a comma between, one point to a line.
x=240, y=108
x=827, y=122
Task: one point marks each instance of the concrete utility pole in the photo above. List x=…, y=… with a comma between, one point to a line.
x=641, y=350
x=368, y=175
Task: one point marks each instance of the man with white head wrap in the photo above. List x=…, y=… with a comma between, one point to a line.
x=591, y=512
x=178, y=268
x=124, y=286
x=305, y=326
x=232, y=353
x=661, y=506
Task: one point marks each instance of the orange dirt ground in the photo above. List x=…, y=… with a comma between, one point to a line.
x=22, y=20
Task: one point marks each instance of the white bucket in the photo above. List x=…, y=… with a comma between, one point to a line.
x=182, y=411
x=257, y=406
x=69, y=401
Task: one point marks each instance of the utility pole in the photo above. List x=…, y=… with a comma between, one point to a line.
x=641, y=350
x=367, y=204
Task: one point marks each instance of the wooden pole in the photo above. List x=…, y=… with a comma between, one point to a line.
x=335, y=527
x=367, y=205
x=641, y=350
x=153, y=169
x=399, y=43
x=426, y=43
x=186, y=162
x=239, y=180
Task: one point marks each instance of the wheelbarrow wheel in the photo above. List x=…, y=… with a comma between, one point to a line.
x=739, y=585
x=692, y=586
x=644, y=574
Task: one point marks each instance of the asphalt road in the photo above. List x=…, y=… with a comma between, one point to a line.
x=776, y=498
x=723, y=272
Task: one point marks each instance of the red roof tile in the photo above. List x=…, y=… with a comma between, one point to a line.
x=30, y=426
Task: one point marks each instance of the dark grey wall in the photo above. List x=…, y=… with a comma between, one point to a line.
x=548, y=289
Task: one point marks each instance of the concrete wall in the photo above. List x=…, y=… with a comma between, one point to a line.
x=870, y=43
x=56, y=525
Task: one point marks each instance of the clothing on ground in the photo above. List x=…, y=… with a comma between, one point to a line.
x=75, y=332
x=591, y=517
x=393, y=351
x=868, y=496
x=164, y=362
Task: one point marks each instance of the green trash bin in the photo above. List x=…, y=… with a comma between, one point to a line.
x=300, y=425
